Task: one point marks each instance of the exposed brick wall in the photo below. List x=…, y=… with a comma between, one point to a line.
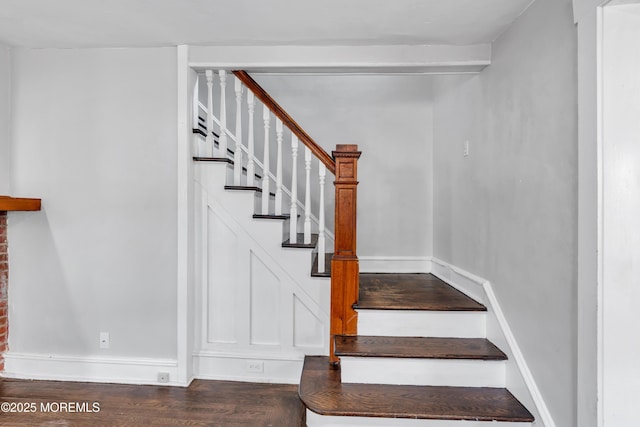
x=4, y=281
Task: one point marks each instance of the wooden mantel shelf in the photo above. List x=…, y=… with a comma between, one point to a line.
x=19, y=204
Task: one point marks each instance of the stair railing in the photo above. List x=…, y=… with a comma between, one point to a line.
x=342, y=163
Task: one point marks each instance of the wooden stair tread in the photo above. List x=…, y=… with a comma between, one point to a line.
x=419, y=291
x=247, y=188
x=327, y=266
x=243, y=188
x=322, y=392
x=417, y=347
x=202, y=132
x=213, y=159
x=223, y=160
x=271, y=216
x=300, y=240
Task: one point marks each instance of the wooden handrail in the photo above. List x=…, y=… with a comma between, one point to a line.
x=280, y=113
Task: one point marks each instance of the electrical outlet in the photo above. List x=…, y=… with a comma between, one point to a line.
x=255, y=366
x=465, y=150
x=104, y=340
x=163, y=377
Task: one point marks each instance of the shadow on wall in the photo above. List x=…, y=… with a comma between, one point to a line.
x=53, y=321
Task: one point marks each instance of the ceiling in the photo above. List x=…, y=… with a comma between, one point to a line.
x=118, y=23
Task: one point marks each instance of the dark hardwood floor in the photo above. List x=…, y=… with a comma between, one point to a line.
x=204, y=403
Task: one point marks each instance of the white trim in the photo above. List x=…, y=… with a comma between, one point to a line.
x=475, y=287
x=255, y=355
x=183, y=158
x=360, y=59
x=277, y=368
x=124, y=370
x=600, y=215
x=519, y=358
x=394, y=264
x=460, y=279
x=275, y=68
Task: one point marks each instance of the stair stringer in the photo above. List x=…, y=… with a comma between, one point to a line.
x=259, y=310
x=519, y=379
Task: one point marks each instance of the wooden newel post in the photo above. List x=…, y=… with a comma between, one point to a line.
x=344, y=264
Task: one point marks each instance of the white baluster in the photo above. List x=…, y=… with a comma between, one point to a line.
x=279, y=130
x=307, y=196
x=251, y=171
x=223, y=114
x=200, y=145
x=195, y=104
x=293, y=212
x=266, y=118
x=237, y=155
x=322, y=171
x=209, y=137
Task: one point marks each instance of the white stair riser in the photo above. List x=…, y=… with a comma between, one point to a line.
x=210, y=175
x=414, y=323
x=439, y=372
x=316, y=420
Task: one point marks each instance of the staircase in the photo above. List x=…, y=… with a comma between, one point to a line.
x=412, y=350
x=420, y=359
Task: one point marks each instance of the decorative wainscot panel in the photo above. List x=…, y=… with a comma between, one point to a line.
x=259, y=310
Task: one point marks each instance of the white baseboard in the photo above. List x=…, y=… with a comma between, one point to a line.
x=460, y=279
x=394, y=264
x=517, y=355
x=122, y=370
x=279, y=369
x=481, y=290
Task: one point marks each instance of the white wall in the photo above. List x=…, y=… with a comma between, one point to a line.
x=5, y=97
x=389, y=117
x=508, y=212
x=620, y=212
x=94, y=136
